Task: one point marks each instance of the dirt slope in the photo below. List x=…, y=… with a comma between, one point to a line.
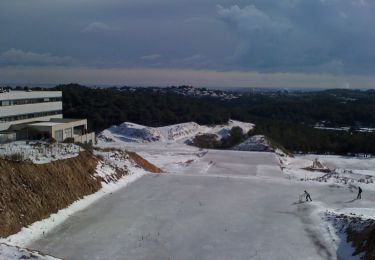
x=363, y=239
x=30, y=192
x=143, y=163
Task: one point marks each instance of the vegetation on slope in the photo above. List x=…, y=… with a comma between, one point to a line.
x=286, y=118
x=211, y=141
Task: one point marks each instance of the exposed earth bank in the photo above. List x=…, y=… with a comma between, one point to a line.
x=32, y=192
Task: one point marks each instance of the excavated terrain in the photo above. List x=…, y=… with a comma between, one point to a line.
x=363, y=240
x=143, y=163
x=31, y=192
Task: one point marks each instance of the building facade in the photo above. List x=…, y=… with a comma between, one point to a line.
x=17, y=107
x=27, y=115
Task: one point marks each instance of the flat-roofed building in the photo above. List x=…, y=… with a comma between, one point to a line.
x=18, y=107
x=26, y=115
x=62, y=129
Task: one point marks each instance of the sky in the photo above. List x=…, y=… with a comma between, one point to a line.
x=225, y=43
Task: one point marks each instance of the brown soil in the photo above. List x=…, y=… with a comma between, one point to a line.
x=136, y=158
x=30, y=192
x=189, y=162
x=143, y=163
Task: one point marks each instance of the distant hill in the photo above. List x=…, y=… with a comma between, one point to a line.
x=288, y=118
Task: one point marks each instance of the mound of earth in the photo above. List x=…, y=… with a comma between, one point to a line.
x=31, y=192
x=180, y=131
x=360, y=233
x=223, y=131
x=129, y=132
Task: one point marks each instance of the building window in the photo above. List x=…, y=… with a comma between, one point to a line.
x=5, y=103
x=59, y=135
x=28, y=116
x=68, y=133
x=29, y=101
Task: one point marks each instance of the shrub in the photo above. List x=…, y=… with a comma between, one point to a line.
x=17, y=157
x=87, y=146
x=100, y=157
x=206, y=141
x=51, y=140
x=69, y=140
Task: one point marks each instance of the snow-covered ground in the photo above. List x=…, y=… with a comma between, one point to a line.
x=209, y=204
x=222, y=131
x=130, y=132
x=351, y=171
x=13, y=252
x=105, y=169
x=38, y=152
x=330, y=172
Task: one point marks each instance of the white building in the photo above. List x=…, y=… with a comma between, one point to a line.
x=18, y=107
x=36, y=115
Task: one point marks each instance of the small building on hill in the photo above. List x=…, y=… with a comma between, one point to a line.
x=26, y=115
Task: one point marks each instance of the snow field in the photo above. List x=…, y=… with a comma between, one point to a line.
x=39, y=152
x=133, y=133
x=266, y=187
x=13, y=252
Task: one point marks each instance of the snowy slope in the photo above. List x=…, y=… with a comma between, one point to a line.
x=180, y=131
x=351, y=171
x=106, y=169
x=129, y=132
x=222, y=131
x=13, y=252
x=39, y=152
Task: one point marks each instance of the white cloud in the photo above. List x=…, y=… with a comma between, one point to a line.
x=14, y=57
x=96, y=27
x=249, y=18
x=151, y=57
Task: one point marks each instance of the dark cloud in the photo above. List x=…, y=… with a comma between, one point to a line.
x=306, y=36
x=15, y=57
x=96, y=27
x=269, y=36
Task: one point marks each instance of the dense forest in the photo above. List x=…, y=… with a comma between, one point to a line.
x=288, y=118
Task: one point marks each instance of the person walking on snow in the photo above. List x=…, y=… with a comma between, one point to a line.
x=308, y=197
x=359, y=196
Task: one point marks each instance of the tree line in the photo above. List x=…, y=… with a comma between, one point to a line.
x=286, y=118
